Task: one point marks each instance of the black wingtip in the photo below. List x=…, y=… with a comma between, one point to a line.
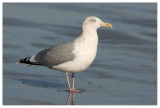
x=27, y=61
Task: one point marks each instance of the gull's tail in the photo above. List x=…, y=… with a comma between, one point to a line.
x=27, y=61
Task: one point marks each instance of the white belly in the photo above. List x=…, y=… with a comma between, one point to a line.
x=85, y=53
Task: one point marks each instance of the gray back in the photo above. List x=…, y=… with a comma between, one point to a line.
x=56, y=54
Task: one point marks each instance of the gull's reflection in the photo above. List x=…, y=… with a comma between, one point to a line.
x=69, y=95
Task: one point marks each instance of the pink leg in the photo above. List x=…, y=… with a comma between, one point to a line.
x=67, y=78
x=73, y=89
x=72, y=80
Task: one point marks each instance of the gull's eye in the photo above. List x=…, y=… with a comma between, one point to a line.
x=93, y=20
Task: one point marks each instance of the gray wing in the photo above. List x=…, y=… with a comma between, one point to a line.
x=56, y=54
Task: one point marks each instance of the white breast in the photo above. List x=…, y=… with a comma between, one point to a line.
x=85, y=52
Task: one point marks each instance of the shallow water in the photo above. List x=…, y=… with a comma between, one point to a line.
x=123, y=73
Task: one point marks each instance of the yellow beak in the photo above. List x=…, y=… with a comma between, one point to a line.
x=108, y=25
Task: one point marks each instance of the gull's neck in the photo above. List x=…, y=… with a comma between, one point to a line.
x=89, y=31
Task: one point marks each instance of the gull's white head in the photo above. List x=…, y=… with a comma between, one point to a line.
x=94, y=23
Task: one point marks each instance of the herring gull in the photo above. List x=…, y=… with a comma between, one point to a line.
x=74, y=56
